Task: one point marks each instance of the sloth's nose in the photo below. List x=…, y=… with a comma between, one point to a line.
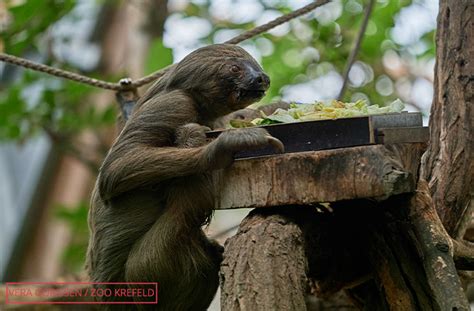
x=261, y=81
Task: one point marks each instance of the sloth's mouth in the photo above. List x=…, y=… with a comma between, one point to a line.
x=252, y=93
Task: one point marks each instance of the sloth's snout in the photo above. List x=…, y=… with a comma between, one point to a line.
x=261, y=81
x=255, y=79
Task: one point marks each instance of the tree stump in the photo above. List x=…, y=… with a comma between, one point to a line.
x=265, y=265
x=380, y=239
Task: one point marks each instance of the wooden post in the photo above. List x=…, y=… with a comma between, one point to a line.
x=265, y=265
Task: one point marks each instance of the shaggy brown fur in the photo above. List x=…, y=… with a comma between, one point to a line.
x=154, y=190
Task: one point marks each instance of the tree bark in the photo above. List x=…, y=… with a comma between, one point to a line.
x=373, y=171
x=448, y=164
x=275, y=258
x=264, y=266
x=436, y=249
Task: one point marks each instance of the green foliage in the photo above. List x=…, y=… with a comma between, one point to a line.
x=332, y=40
x=31, y=20
x=36, y=101
x=159, y=56
x=76, y=219
x=279, y=69
x=11, y=110
x=56, y=105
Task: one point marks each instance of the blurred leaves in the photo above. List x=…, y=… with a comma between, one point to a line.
x=38, y=101
x=321, y=42
x=279, y=68
x=35, y=100
x=30, y=19
x=76, y=219
x=159, y=56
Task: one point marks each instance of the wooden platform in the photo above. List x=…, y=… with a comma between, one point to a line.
x=374, y=171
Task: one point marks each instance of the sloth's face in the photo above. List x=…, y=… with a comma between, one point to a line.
x=246, y=81
x=221, y=79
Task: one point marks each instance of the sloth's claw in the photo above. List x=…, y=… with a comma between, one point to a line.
x=276, y=144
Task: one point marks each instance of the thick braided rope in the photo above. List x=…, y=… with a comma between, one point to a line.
x=246, y=35
x=152, y=77
x=59, y=72
x=276, y=22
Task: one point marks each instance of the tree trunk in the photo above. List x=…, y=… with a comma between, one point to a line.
x=261, y=257
x=448, y=164
x=272, y=261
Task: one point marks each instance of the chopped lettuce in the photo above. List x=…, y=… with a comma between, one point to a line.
x=320, y=111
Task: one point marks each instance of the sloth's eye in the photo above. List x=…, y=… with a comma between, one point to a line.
x=234, y=68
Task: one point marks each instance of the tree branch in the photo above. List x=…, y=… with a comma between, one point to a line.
x=463, y=255
x=356, y=47
x=437, y=249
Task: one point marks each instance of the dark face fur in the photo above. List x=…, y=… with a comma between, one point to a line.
x=220, y=78
x=246, y=82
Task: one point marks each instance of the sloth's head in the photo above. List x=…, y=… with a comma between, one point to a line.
x=221, y=78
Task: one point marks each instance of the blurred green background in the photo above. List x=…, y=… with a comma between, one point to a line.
x=45, y=120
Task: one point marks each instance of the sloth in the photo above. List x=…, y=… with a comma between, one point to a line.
x=154, y=191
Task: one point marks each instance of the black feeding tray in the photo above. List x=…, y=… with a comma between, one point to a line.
x=337, y=133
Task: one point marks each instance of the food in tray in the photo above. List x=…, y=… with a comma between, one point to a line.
x=319, y=111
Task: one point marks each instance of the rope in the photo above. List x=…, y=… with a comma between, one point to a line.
x=150, y=78
x=246, y=35
x=58, y=72
x=157, y=74
x=276, y=22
